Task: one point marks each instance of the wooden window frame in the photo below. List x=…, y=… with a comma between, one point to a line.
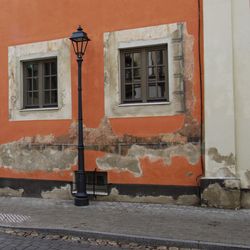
x=41, y=84
x=143, y=51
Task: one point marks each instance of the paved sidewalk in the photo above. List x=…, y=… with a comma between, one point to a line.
x=190, y=227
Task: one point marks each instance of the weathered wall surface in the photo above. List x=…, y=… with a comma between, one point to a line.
x=241, y=41
x=219, y=89
x=226, y=63
x=150, y=150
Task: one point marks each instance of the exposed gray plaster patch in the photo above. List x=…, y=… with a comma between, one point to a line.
x=182, y=199
x=189, y=200
x=131, y=162
x=224, y=171
x=221, y=165
x=25, y=156
x=11, y=192
x=63, y=193
x=189, y=150
x=247, y=174
x=226, y=160
x=124, y=163
x=115, y=196
x=232, y=183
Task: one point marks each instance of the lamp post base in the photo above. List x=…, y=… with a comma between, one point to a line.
x=81, y=201
x=81, y=197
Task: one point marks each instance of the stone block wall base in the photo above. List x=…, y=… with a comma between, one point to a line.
x=245, y=198
x=221, y=193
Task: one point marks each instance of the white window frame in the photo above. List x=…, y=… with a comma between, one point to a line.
x=19, y=54
x=142, y=37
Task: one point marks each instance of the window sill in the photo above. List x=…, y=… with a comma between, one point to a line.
x=38, y=109
x=143, y=104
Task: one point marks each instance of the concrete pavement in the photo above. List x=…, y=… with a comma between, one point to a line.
x=180, y=226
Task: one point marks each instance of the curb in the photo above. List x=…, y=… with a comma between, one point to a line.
x=135, y=238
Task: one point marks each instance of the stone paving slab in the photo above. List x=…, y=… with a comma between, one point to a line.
x=194, y=225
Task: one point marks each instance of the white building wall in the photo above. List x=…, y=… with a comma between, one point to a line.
x=241, y=49
x=227, y=89
x=219, y=90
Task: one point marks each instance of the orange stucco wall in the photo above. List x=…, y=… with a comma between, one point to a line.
x=28, y=21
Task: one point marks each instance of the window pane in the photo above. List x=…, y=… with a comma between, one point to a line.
x=151, y=73
x=29, y=98
x=53, y=82
x=144, y=74
x=47, y=97
x=152, y=91
x=128, y=60
x=35, y=69
x=137, y=75
x=137, y=60
x=161, y=74
x=29, y=84
x=151, y=58
x=53, y=68
x=47, y=68
x=46, y=82
x=128, y=91
x=100, y=180
x=161, y=89
x=29, y=69
x=128, y=75
x=137, y=91
x=35, y=98
x=54, y=96
x=159, y=56
x=35, y=84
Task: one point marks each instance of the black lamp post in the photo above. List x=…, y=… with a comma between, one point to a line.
x=80, y=41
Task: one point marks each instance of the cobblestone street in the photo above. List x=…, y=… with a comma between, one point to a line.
x=24, y=239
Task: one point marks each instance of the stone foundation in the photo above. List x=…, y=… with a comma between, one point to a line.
x=221, y=193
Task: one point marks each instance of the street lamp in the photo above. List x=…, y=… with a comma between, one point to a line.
x=80, y=41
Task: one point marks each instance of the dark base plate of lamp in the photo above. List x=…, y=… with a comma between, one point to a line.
x=81, y=201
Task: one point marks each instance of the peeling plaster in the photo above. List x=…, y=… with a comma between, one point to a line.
x=232, y=184
x=25, y=155
x=247, y=174
x=221, y=165
x=123, y=163
x=9, y=192
x=226, y=160
x=131, y=162
x=45, y=152
x=63, y=193
x=181, y=200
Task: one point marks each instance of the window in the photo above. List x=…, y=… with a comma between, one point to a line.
x=40, y=84
x=144, y=71
x=96, y=182
x=144, y=75
x=39, y=81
